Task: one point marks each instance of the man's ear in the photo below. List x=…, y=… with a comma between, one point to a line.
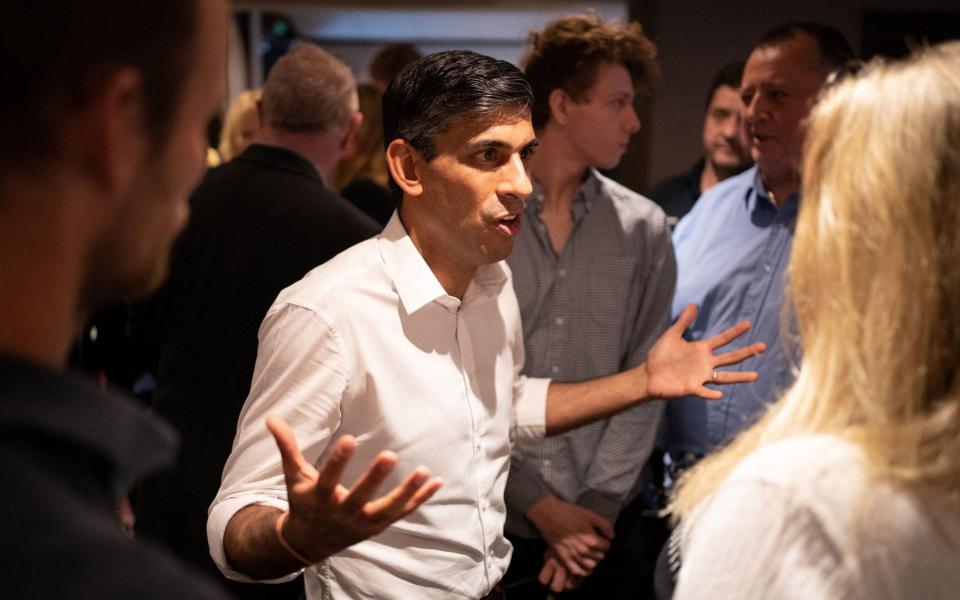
x=351, y=135
x=405, y=163
x=559, y=102
x=111, y=142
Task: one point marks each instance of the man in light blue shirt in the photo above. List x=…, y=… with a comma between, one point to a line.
x=734, y=246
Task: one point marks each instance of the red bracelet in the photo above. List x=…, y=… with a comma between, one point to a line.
x=286, y=545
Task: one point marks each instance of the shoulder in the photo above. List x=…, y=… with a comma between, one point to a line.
x=716, y=204
x=635, y=211
x=339, y=282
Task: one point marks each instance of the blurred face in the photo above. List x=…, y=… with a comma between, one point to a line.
x=780, y=84
x=248, y=124
x=136, y=250
x=600, y=127
x=725, y=143
x=473, y=190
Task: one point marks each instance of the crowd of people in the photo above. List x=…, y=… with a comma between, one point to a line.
x=412, y=342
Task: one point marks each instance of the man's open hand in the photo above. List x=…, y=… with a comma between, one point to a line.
x=326, y=517
x=677, y=367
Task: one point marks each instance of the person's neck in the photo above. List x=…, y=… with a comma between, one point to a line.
x=556, y=170
x=713, y=174
x=780, y=185
x=454, y=276
x=321, y=149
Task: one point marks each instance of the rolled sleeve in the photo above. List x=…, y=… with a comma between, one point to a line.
x=529, y=411
x=299, y=376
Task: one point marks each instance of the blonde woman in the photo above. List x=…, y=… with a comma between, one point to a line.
x=241, y=125
x=850, y=486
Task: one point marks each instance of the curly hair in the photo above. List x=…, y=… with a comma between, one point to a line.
x=566, y=53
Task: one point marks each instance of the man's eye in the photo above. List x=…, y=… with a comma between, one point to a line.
x=489, y=155
x=527, y=153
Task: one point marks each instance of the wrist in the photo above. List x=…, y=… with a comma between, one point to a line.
x=284, y=542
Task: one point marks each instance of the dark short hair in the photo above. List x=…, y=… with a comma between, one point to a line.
x=567, y=52
x=832, y=46
x=427, y=96
x=56, y=52
x=729, y=75
x=391, y=59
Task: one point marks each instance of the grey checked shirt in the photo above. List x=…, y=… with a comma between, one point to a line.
x=594, y=310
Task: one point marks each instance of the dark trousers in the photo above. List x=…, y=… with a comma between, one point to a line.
x=626, y=571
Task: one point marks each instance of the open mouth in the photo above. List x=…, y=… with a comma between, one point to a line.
x=509, y=225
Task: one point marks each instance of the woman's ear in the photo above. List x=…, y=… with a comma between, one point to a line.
x=404, y=163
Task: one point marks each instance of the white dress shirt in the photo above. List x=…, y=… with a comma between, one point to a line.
x=371, y=345
x=806, y=518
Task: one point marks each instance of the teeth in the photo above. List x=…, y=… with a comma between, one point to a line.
x=510, y=218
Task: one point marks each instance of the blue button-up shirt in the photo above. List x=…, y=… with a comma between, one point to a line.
x=732, y=253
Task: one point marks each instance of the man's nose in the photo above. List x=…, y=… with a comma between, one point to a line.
x=633, y=121
x=516, y=180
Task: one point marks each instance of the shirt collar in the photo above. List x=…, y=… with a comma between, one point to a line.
x=416, y=284
x=590, y=189
x=71, y=407
x=789, y=204
x=279, y=155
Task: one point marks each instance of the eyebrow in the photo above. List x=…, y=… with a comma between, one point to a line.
x=497, y=144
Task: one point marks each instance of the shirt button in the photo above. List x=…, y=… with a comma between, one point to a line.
x=766, y=267
x=558, y=321
x=562, y=272
x=554, y=369
x=546, y=462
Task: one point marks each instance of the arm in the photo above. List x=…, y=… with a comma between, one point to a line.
x=300, y=377
x=675, y=367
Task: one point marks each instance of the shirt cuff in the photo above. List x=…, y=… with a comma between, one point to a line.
x=217, y=520
x=530, y=413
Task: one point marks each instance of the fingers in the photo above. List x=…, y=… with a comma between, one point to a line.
x=546, y=573
x=603, y=526
x=728, y=335
x=708, y=393
x=332, y=469
x=558, y=580
x=568, y=561
x=416, y=488
x=739, y=355
x=295, y=467
x=686, y=319
x=370, y=481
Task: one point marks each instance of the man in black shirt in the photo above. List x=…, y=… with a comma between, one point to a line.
x=104, y=137
x=726, y=150
x=258, y=224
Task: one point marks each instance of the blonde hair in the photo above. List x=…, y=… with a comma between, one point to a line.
x=232, y=142
x=874, y=278
x=368, y=161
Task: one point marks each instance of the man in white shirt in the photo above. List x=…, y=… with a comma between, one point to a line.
x=412, y=341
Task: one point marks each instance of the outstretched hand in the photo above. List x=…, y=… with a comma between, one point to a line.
x=676, y=367
x=326, y=517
